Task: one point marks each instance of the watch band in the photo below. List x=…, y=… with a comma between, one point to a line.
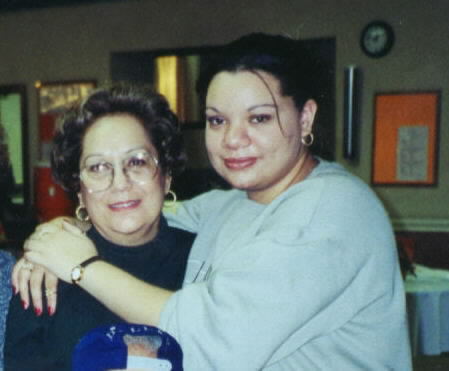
x=86, y=262
x=77, y=272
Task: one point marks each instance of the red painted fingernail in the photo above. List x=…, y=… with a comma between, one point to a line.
x=24, y=304
x=38, y=311
x=50, y=310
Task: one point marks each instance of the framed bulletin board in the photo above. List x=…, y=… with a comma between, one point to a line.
x=54, y=99
x=405, y=139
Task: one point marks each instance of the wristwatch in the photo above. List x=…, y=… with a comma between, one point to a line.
x=77, y=272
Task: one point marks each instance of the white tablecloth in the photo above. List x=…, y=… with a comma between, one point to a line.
x=428, y=310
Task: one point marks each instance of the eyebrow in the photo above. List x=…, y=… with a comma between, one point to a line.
x=125, y=152
x=213, y=109
x=269, y=105
x=249, y=109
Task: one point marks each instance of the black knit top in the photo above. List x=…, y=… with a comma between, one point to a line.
x=46, y=342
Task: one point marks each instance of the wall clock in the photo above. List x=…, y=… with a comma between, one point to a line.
x=377, y=39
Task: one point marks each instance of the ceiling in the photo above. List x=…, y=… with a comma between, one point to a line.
x=14, y=5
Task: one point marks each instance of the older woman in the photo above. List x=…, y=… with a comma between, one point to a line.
x=117, y=151
x=295, y=268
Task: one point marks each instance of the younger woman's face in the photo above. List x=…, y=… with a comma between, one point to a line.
x=253, y=133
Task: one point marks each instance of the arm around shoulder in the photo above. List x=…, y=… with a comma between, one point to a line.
x=130, y=298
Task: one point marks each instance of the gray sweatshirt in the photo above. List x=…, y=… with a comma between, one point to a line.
x=310, y=281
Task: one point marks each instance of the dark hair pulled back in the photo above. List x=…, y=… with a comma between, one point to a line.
x=285, y=58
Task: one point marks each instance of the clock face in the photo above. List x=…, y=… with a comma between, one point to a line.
x=377, y=39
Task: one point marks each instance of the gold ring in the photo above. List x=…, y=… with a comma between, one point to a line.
x=49, y=292
x=28, y=265
x=41, y=233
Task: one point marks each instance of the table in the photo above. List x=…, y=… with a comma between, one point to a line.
x=428, y=312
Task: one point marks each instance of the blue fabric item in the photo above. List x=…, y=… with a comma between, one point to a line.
x=6, y=264
x=105, y=347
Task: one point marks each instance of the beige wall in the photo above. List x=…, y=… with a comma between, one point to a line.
x=75, y=43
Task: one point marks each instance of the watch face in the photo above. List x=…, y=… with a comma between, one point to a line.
x=76, y=273
x=377, y=39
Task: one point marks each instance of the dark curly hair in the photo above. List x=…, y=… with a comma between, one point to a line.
x=150, y=108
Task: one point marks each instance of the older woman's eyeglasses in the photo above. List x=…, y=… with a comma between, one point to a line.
x=97, y=173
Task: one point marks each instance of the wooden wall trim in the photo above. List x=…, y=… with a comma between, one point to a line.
x=421, y=225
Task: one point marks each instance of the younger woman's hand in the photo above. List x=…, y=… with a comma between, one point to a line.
x=28, y=278
x=59, y=250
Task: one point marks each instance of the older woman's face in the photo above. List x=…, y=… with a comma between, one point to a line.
x=253, y=133
x=128, y=211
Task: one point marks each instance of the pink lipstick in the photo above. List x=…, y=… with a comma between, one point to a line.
x=124, y=205
x=239, y=163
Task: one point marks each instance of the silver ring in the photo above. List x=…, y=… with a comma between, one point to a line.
x=49, y=292
x=41, y=233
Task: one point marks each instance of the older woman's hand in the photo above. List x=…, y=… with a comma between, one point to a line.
x=59, y=250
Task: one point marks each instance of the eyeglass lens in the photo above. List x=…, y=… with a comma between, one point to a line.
x=98, y=173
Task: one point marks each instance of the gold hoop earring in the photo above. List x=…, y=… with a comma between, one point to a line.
x=82, y=214
x=170, y=204
x=307, y=140
x=173, y=195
